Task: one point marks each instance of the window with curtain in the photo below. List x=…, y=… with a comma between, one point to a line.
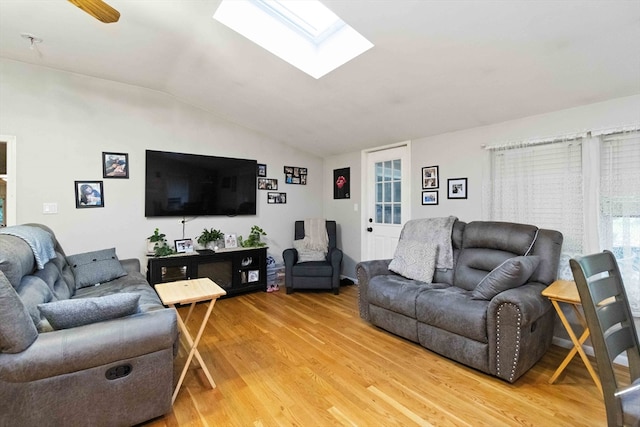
x=540, y=184
x=586, y=187
x=620, y=207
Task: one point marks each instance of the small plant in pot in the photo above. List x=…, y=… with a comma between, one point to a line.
x=209, y=239
x=253, y=240
x=157, y=244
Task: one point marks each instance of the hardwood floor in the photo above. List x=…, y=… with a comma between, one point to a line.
x=307, y=359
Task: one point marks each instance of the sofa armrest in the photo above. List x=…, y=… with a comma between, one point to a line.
x=131, y=265
x=365, y=271
x=76, y=349
x=519, y=330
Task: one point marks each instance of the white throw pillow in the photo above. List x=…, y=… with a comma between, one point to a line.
x=415, y=260
x=305, y=254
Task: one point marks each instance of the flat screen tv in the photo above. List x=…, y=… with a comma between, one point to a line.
x=179, y=184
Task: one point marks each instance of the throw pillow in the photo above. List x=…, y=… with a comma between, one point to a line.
x=17, y=331
x=70, y=313
x=415, y=260
x=92, y=268
x=305, y=254
x=510, y=274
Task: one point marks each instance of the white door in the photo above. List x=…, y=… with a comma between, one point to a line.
x=387, y=200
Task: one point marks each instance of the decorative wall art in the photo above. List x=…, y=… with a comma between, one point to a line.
x=430, y=177
x=342, y=183
x=267, y=184
x=295, y=175
x=457, y=188
x=276, y=198
x=89, y=194
x=262, y=169
x=115, y=165
x=429, y=197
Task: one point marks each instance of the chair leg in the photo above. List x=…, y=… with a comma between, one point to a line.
x=336, y=291
x=289, y=290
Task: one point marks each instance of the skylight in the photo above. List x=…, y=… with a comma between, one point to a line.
x=304, y=33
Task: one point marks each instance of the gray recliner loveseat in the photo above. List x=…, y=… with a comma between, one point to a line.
x=74, y=353
x=486, y=310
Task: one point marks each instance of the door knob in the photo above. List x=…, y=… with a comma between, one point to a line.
x=369, y=229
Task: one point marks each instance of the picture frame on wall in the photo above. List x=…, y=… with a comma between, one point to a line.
x=430, y=177
x=457, y=188
x=262, y=169
x=115, y=165
x=295, y=175
x=89, y=194
x=276, y=198
x=184, y=246
x=429, y=197
x=267, y=184
x=342, y=183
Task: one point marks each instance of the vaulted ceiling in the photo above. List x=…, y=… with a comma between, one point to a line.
x=437, y=66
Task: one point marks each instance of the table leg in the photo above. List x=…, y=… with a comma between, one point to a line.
x=577, y=346
x=193, y=351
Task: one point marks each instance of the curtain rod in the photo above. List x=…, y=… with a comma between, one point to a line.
x=566, y=137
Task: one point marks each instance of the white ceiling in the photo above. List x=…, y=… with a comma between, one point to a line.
x=437, y=66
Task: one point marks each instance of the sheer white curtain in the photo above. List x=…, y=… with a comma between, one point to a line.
x=540, y=183
x=586, y=186
x=619, y=222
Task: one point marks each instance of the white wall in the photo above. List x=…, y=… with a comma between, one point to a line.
x=63, y=122
x=460, y=154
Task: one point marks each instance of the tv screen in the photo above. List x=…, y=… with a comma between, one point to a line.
x=191, y=185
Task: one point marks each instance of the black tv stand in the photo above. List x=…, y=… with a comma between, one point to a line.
x=237, y=270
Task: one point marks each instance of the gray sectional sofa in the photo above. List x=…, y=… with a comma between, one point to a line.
x=485, y=310
x=74, y=353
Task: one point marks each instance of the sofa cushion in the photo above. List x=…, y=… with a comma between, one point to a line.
x=91, y=268
x=83, y=311
x=17, y=331
x=511, y=273
x=414, y=260
x=453, y=310
x=397, y=293
x=16, y=258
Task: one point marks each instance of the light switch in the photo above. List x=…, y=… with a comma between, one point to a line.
x=355, y=207
x=49, y=208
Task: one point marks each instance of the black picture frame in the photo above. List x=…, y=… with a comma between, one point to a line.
x=430, y=197
x=262, y=169
x=276, y=198
x=115, y=165
x=89, y=194
x=430, y=177
x=342, y=183
x=295, y=175
x=184, y=246
x=267, y=184
x=457, y=188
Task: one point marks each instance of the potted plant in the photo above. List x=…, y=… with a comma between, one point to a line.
x=210, y=238
x=157, y=239
x=253, y=241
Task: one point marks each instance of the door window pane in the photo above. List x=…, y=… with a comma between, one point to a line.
x=388, y=180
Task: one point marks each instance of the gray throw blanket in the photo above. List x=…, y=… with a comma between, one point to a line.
x=436, y=231
x=39, y=240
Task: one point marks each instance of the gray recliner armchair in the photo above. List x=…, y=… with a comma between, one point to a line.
x=322, y=274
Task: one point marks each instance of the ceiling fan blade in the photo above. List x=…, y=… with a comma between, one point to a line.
x=98, y=9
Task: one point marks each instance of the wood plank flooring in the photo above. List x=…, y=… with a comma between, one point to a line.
x=307, y=359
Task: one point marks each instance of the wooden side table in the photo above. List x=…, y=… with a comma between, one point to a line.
x=185, y=292
x=565, y=291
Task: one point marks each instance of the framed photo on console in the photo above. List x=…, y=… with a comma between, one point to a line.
x=184, y=246
x=230, y=240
